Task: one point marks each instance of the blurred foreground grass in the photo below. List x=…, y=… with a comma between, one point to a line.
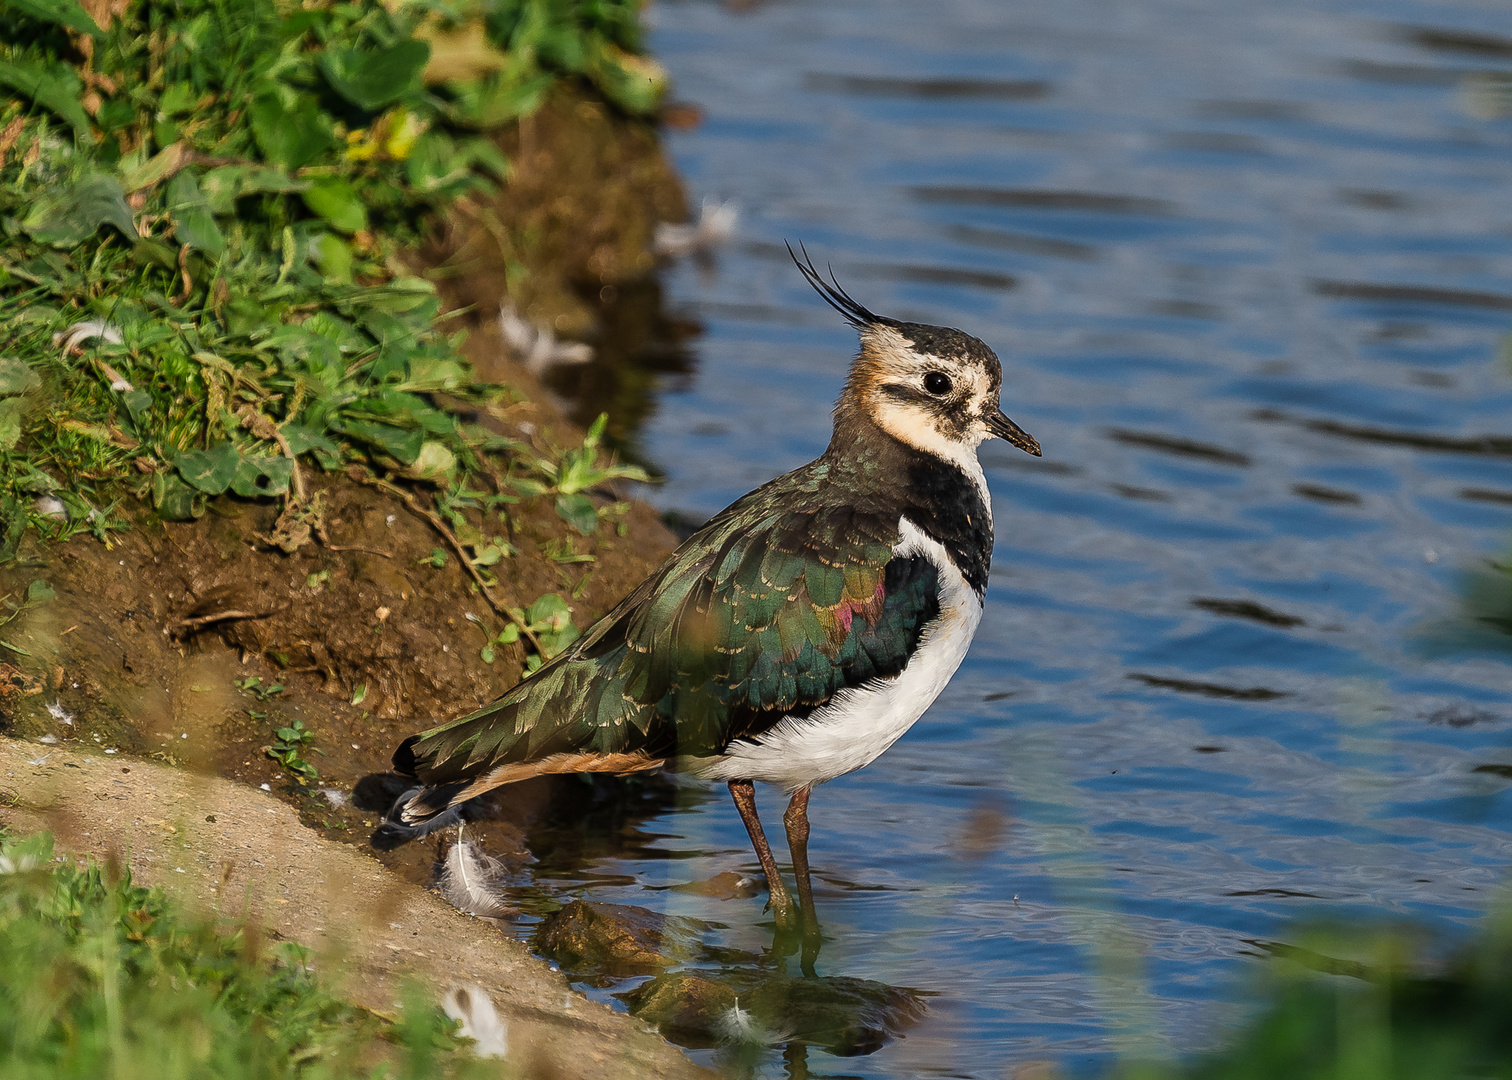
x=103, y=978
x=1353, y=1004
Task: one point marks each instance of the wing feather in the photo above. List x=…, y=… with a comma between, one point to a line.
x=759, y=613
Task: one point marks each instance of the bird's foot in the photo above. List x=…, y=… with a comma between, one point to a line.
x=785, y=913
x=796, y=934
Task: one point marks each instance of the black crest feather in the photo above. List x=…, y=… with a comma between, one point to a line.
x=831, y=292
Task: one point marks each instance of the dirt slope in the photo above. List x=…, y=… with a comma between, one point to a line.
x=226, y=846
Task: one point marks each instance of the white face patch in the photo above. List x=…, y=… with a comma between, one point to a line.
x=888, y=358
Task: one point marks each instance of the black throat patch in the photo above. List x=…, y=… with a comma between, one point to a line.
x=948, y=507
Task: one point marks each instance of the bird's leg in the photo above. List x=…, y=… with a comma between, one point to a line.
x=744, y=794
x=796, y=820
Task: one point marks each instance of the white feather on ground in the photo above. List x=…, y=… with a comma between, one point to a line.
x=715, y=225
x=471, y=1007
x=50, y=506
x=536, y=346
x=89, y=330
x=738, y=1027
x=469, y=880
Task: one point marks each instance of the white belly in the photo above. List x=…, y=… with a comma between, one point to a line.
x=858, y=724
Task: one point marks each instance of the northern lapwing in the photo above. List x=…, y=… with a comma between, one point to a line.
x=794, y=637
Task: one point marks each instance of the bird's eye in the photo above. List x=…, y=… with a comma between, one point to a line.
x=937, y=383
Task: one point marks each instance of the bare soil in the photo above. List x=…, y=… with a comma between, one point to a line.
x=224, y=847
x=147, y=649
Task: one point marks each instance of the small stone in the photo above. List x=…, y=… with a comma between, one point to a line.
x=687, y=1008
x=612, y=938
x=723, y=886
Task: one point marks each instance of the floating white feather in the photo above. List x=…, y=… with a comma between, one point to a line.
x=536, y=346
x=715, y=225
x=469, y=879
x=471, y=1007
x=738, y=1027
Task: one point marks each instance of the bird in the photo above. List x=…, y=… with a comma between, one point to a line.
x=796, y=635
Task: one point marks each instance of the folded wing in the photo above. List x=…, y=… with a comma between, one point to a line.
x=758, y=615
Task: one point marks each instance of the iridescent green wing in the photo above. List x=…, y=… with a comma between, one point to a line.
x=762, y=613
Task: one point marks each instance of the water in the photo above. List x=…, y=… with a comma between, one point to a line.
x=1243, y=264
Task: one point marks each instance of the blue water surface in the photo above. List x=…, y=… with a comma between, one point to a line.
x=1198, y=227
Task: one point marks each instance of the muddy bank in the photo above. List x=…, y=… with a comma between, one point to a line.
x=372, y=627
x=201, y=645
x=224, y=846
x=568, y=245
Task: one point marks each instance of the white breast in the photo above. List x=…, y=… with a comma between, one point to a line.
x=859, y=723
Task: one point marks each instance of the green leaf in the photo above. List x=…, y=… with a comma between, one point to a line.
x=494, y=100
x=224, y=185
x=14, y=648
x=138, y=404
x=554, y=641
x=174, y=499
x=74, y=214
x=486, y=154
x=402, y=443
x=148, y=252
x=291, y=134
x=210, y=470
x=427, y=372
x=17, y=378
x=359, y=694
x=38, y=592
x=260, y=476
x=62, y=12
x=54, y=87
x=488, y=556
x=301, y=439
x=634, y=83
x=13, y=514
x=336, y=200
x=177, y=98
x=154, y=170
x=11, y=410
x=550, y=612
x=193, y=223
x=435, y=463
x=372, y=78
x=596, y=431
x=334, y=257
x=579, y=512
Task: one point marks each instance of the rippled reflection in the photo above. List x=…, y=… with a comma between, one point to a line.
x=1248, y=267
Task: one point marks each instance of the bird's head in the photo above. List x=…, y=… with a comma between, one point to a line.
x=932, y=387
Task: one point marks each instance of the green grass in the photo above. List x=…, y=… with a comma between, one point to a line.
x=1356, y=1005
x=201, y=212
x=103, y=978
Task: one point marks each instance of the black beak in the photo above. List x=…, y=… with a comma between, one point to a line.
x=1005, y=428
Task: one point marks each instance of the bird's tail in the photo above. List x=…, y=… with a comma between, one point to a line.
x=395, y=830
x=422, y=809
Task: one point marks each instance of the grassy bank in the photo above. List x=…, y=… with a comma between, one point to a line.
x=101, y=977
x=203, y=206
